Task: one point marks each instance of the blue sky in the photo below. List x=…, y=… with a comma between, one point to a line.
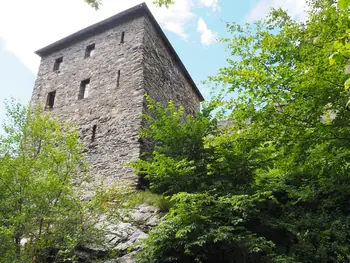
x=192, y=27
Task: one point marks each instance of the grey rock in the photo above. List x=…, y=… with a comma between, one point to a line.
x=127, y=258
x=153, y=221
x=142, y=213
x=121, y=236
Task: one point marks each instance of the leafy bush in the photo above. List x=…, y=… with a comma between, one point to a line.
x=42, y=217
x=188, y=156
x=146, y=197
x=205, y=228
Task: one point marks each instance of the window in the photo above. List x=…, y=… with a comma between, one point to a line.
x=118, y=78
x=93, y=136
x=58, y=63
x=122, y=38
x=50, y=99
x=90, y=51
x=84, y=89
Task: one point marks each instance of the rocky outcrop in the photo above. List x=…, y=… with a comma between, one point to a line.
x=120, y=240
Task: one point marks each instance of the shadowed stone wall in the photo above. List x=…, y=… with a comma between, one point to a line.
x=164, y=80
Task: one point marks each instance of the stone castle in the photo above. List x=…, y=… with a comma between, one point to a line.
x=97, y=78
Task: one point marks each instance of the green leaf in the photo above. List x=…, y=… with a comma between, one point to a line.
x=344, y=4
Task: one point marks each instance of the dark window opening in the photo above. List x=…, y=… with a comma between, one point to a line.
x=118, y=78
x=50, y=99
x=84, y=89
x=122, y=38
x=58, y=63
x=90, y=50
x=93, y=136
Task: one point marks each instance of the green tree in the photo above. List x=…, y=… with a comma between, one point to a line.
x=298, y=111
x=203, y=227
x=217, y=214
x=342, y=44
x=189, y=154
x=288, y=148
x=42, y=217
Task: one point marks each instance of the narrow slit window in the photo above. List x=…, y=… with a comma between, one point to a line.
x=50, y=99
x=84, y=89
x=93, y=135
x=122, y=38
x=58, y=64
x=118, y=78
x=90, y=51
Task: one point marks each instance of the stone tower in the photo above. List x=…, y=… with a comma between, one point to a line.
x=97, y=78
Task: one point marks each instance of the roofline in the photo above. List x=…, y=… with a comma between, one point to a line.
x=88, y=31
x=110, y=22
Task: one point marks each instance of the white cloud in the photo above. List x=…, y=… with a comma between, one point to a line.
x=208, y=37
x=296, y=8
x=213, y=4
x=175, y=18
x=29, y=25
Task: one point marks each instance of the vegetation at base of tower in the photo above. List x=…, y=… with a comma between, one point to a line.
x=42, y=218
x=147, y=197
x=275, y=185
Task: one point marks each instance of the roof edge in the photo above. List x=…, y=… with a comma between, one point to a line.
x=110, y=22
x=87, y=31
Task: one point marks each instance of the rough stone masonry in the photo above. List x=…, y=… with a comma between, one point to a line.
x=97, y=78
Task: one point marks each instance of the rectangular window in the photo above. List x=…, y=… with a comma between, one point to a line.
x=84, y=89
x=118, y=78
x=58, y=63
x=50, y=101
x=90, y=51
x=122, y=38
x=93, y=136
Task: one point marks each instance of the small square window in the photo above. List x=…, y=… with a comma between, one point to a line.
x=90, y=51
x=84, y=89
x=58, y=63
x=50, y=101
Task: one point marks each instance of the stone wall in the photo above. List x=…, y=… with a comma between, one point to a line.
x=146, y=65
x=115, y=110
x=163, y=78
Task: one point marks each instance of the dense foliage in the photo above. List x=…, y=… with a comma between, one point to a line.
x=42, y=218
x=181, y=159
x=274, y=186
